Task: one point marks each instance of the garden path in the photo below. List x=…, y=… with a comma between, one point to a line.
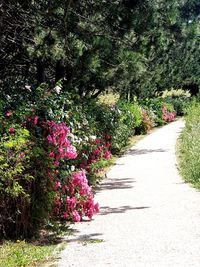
x=149, y=217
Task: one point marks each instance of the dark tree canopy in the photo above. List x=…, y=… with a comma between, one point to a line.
x=134, y=47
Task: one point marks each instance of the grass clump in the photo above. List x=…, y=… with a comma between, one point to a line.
x=189, y=146
x=21, y=254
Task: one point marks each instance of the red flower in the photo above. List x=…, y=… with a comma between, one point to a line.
x=12, y=130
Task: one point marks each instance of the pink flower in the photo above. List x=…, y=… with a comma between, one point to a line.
x=109, y=144
x=96, y=207
x=108, y=136
x=97, y=152
x=9, y=113
x=71, y=203
x=22, y=155
x=64, y=188
x=76, y=216
x=36, y=120
x=12, y=130
x=165, y=117
x=56, y=163
x=164, y=109
x=58, y=202
x=52, y=154
x=79, y=178
x=71, y=152
x=172, y=116
x=98, y=141
x=107, y=155
x=65, y=215
x=56, y=211
x=57, y=185
x=49, y=138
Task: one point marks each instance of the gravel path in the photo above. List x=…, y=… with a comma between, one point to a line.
x=149, y=217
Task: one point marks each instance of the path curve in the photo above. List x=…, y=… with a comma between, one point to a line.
x=149, y=216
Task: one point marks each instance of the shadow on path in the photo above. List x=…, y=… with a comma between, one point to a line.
x=91, y=238
x=116, y=183
x=144, y=151
x=107, y=210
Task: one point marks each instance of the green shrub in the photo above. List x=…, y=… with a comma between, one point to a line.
x=128, y=118
x=25, y=198
x=190, y=145
x=179, y=98
x=119, y=121
x=179, y=103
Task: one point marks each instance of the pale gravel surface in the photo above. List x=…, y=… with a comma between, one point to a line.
x=149, y=216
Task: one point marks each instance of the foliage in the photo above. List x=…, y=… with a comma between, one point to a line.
x=56, y=147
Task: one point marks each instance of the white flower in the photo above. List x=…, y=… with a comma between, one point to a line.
x=72, y=168
x=93, y=137
x=57, y=89
x=86, y=138
x=71, y=136
x=28, y=87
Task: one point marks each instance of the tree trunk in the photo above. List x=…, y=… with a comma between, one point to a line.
x=40, y=71
x=60, y=70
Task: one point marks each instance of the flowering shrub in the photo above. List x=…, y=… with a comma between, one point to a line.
x=74, y=198
x=57, y=137
x=168, y=116
x=163, y=111
x=147, y=121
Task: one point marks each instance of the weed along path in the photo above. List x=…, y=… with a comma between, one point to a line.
x=149, y=217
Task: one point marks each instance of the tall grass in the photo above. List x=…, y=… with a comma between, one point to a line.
x=189, y=146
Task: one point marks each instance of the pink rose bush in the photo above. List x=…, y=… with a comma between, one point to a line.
x=57, y=137
x=74, y=197
x=168, y=116
x=80, y=200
